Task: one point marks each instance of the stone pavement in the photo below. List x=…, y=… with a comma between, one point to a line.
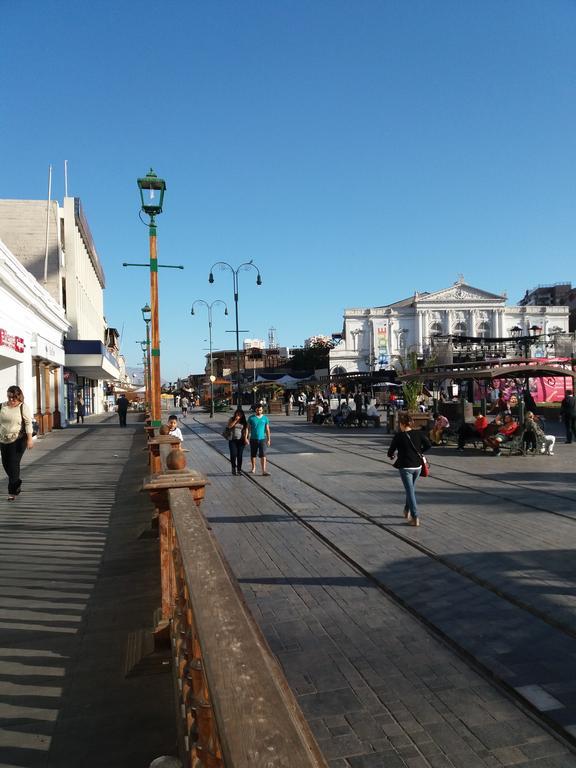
x=76, y=577
x=378, y=686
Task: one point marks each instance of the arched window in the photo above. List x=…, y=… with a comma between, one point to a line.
x=435, y=329
x=459, y=329
x=338, y=370
x=484, y=329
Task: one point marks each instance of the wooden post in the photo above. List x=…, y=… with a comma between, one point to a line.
x=47, y=416
x=56, y=417
x=38, y=414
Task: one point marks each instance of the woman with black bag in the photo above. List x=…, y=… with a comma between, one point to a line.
x=15, y=437
x=409, y=445
x=236, y=435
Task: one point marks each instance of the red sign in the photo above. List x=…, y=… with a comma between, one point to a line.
x=12, y=342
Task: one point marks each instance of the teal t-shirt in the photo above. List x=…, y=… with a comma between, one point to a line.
x=257, y=425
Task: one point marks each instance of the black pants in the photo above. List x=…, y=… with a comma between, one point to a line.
x=122, y=418
x=11, y=457
x=236, y=451
x=570, y=424
x=467, y=433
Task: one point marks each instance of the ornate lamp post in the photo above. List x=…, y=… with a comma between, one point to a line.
x=143, y=347
x=147, y=316
x=245, y=266
x=212, y=377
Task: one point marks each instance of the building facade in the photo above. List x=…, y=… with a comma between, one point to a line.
x=376, y=338
x=32, y=329
x=55, y=244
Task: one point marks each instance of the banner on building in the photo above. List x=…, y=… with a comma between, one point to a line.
x=382, y=346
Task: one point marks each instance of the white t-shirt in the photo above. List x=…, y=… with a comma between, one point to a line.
x=176, y=432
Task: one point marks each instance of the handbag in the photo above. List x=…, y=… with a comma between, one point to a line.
x=227, y=433
x=425, y=471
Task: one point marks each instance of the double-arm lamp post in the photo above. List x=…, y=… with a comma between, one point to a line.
x=244, y=266
x=209, y=308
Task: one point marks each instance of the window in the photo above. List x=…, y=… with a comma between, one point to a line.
x=459, y=329
x=484, y=329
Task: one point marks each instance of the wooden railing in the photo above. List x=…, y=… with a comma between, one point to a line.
x=235, y=706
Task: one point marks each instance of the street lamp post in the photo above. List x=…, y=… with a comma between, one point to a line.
x=146, y=315
x=143, y=347
x=245, y=266
x=212, y=377
x=152, y=191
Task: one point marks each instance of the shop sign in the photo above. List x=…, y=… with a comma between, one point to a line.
x=15, y=343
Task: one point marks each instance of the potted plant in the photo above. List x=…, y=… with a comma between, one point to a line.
x=412, y=388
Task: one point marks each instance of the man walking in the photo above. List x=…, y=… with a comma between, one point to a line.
x=259, y=438
x=122, y=405
x=568, y=415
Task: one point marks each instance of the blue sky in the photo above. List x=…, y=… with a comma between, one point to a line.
x=356, y=151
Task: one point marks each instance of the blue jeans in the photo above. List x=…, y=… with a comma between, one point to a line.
x=409, y=477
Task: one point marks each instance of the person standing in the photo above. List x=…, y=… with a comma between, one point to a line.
x=238, y=427
x=258, y=434
x=80, y=410
x=122, y=405
x=15, y=437
x=302, y=402
x=184, y=402
x=568, y=415
x=407, y=446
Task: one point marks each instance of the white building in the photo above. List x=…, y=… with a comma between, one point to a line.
x=32, y=327
x=55, y=244
x=373, y=338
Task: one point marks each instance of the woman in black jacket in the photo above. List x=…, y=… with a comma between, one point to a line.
x=409, y=445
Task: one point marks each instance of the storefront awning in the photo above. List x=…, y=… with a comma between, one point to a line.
x=91, y=359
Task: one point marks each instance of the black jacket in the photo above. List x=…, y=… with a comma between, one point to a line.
x=408, y=446
x=568, y=406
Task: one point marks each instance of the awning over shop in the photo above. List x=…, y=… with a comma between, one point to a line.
x=90, y=359
x=47, y=350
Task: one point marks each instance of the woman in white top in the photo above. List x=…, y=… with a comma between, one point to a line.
x=15, y=437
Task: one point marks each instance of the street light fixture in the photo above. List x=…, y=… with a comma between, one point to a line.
x=146, y=316
x=212, y=377
x=152, y=190
x=144, y=348
x=244, y=266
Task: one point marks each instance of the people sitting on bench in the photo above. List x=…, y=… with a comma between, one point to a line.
x=440, y=424
x=471, y=432
x=534, y=439
x=505, y=433
x=342, y=414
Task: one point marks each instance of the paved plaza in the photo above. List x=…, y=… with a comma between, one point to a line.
x=449, y=645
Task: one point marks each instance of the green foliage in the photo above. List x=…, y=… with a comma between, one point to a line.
x=312, y=357
x=410, y=389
